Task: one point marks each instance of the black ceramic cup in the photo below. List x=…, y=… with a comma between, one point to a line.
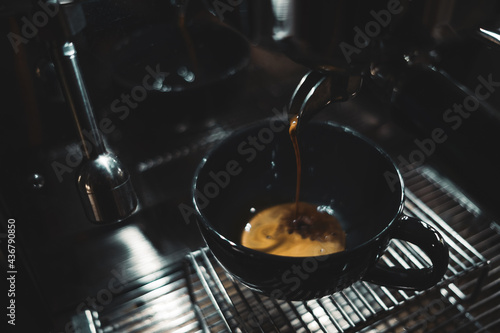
x=255, y=168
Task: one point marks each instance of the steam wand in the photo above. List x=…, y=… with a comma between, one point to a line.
x=103, y=182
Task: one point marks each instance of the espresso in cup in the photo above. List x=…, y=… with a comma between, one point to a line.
x=276, y=231
x=298, y=229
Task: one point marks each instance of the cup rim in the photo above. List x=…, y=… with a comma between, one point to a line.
x=204, y=220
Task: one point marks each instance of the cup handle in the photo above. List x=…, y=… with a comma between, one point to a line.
x=428, y=240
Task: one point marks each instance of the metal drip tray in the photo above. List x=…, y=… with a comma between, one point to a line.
x=228, y=306
x=198, y=295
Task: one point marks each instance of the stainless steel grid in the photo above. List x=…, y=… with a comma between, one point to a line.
x=461, y=306
x=161, y=303
x=197, y=295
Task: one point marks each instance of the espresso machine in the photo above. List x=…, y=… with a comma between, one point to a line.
x=110, y=105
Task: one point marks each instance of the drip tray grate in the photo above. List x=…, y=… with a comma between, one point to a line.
x=198, y=295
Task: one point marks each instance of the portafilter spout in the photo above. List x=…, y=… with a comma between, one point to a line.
x=318, y=89
x=103, y=182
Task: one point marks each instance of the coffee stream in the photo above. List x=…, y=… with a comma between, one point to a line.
x=296, y=229
x=293, y=135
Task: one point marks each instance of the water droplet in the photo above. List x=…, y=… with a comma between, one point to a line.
x=165, y=88
x=189, y=77
x=37, y=181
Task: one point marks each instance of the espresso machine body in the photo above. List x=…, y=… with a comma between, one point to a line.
x=162, y=81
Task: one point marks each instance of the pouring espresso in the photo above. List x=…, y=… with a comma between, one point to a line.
x=301, y=229
x=296, y=229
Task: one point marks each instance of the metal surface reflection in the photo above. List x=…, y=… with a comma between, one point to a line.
x=142, y=258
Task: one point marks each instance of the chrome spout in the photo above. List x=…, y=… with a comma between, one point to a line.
x=318, y=89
